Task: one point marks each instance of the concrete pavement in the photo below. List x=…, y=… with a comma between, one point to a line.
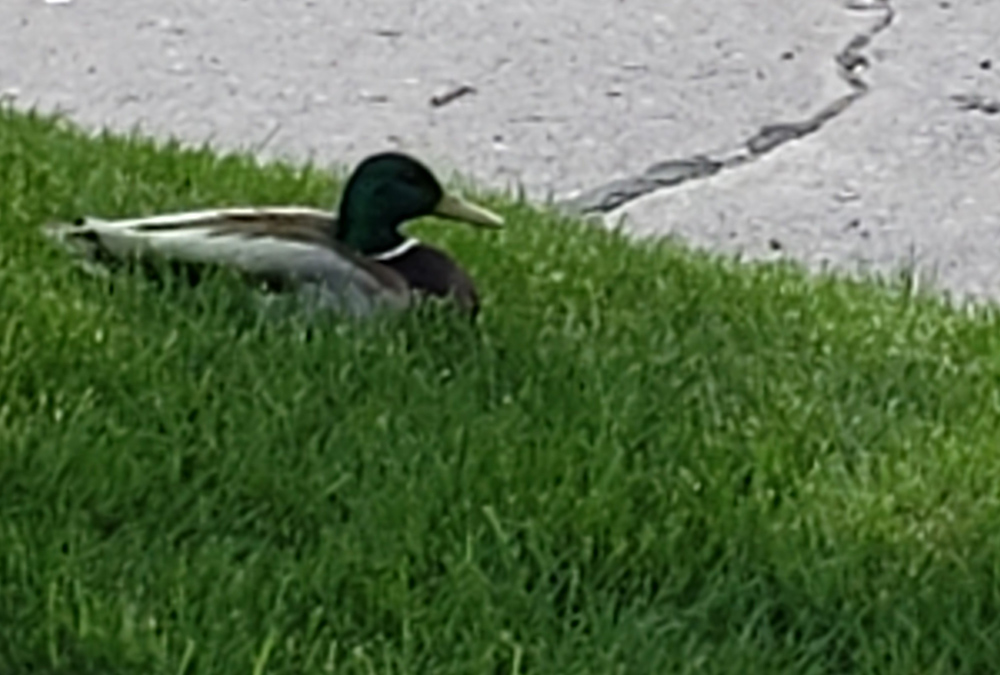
x=856, y=134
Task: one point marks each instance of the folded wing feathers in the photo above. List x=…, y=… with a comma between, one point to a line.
x=288, y=242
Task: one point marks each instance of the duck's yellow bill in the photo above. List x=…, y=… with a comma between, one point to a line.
x=457, y=208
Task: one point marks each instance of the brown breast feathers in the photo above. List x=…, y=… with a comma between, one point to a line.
x=431, y=271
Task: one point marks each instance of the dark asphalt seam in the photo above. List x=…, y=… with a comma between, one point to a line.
x=977, y=103
x=851, y=63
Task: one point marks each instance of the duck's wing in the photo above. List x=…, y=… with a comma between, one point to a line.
x=289, y=244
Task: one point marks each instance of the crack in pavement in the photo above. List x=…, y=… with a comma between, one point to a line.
x=977, y=103
x=851, y=63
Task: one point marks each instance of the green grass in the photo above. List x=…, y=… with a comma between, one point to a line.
x=642, y=460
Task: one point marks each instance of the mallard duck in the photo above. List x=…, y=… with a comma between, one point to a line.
x=356, y=260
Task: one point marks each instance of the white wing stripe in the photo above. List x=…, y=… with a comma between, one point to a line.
x=202, y=218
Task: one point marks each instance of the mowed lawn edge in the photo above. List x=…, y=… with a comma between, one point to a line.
x=640, y=459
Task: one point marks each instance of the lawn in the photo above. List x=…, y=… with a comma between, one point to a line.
x=640, y=460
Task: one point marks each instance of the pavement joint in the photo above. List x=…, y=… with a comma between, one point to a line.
x=977, y=103
x=851, y=63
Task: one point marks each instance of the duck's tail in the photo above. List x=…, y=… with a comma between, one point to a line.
x=82, y=239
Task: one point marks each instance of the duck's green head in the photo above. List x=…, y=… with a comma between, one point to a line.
x=388, y=189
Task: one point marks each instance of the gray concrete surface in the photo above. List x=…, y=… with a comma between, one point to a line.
x=855, y=134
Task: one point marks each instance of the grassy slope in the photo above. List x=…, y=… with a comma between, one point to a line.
x=643, y=460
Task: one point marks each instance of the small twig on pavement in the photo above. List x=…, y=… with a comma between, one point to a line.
x=444, y=99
